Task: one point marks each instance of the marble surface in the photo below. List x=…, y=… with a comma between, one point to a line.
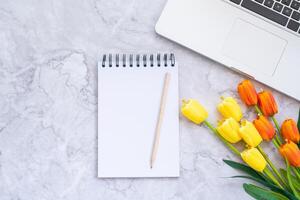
x=48, y=103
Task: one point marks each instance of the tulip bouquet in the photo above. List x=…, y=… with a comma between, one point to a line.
x=273, y=183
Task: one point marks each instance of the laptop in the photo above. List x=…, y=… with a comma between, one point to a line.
x=258, y=38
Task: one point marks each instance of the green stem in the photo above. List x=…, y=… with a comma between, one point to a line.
x=290, y=179
x=278, y=130
x=295, y=169
x=272, y=165
x=278, y=140
x=296, y=172
x=276, y=123
x=270, y=175
x=257, y=109
x=230, y=146
x=275, y=143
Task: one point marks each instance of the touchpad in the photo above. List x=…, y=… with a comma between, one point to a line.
x=254, y=48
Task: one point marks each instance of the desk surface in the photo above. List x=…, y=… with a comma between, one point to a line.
x=48, y=130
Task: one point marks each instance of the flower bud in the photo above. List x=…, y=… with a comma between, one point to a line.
x=229, y=130
x=249, y=134
x=291, y=152
x=267, y=103
x=247, y=93
x=194, y=111
x=289, y=130
x=230, y=108
x=254, y=159
x=264, y=127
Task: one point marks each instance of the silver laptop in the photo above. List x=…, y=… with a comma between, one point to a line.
x=259, y=38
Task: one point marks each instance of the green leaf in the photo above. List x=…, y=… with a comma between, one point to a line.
x=262, y=194
x=255, y=176
x=295, y=181
x=248, y=170
x=271, y=186
x=265, y=183
x=289, y=178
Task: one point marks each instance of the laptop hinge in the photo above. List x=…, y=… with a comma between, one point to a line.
x=241, y=72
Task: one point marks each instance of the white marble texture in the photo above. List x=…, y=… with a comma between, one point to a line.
x=48, y=100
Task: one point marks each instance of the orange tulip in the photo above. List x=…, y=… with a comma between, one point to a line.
x=247, y=93
x=264, y=127
x=291, y=152
x=267, y=103
x=289, y=130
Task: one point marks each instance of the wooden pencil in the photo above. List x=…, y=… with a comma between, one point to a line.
x=160, y=118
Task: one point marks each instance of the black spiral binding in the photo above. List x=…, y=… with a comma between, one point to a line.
x=137, y=60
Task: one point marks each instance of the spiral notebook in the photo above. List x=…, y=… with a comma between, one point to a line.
x=129, y=94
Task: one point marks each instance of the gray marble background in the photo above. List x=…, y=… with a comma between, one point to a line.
x=48, y=131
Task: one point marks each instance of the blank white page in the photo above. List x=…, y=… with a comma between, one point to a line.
x=128, y=108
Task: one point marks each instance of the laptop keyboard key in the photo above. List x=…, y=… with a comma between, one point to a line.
x=287, y=11
x=259, y=1
x=265, y=12
x=236, y=1
x=296, y=15
x=269, y=3
x=278, y=7
x=286, y=2
x=294, y=26
x=295, y=5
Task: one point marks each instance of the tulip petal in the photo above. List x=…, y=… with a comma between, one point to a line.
x=194, y=111
x=249, y=134
x=254, y=159
x=247, y=93
x=289, y=130
x=230, y=108
x=229, y=130
x=267, y=103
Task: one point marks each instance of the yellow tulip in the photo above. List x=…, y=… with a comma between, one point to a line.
x=250, y=134
x=229, y=130
x=230, y=108
x=194, y=111
x=254, y=159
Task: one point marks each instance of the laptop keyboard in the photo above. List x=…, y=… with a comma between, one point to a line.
x=283, y=12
